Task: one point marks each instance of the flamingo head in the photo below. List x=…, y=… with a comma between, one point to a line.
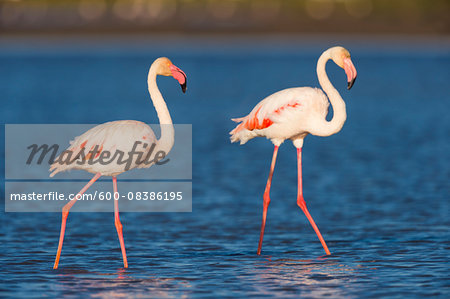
x=167, y=68
x=341, y=57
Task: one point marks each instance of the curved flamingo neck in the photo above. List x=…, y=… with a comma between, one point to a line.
x=328, y=128
x=165, y=142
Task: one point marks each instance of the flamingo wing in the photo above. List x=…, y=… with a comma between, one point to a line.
x=279, y=106
x=111, y=136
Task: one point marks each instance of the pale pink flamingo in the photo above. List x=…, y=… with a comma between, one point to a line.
x=121, y=135
x=293, y=114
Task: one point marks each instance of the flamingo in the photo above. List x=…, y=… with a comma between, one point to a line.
x=121, y=135
x=294, y=113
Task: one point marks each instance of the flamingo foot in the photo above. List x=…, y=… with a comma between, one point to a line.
x=302, y=204
x=65, y=214
x=263, y=224
x=118, y=224
x=121, y=241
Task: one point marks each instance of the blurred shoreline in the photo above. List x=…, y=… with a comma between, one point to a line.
x=422, y=17
x=225, y=25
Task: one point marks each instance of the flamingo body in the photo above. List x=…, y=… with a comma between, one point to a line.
x=286, y=114
x=113, y=137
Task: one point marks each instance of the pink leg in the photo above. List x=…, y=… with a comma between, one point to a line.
x=267, y=199
x=119, y=225
x=302, y=204
x=65, y=213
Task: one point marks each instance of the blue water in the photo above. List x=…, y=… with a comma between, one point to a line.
x=379, y=190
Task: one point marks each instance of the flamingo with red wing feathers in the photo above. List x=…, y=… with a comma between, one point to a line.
x=293, y=114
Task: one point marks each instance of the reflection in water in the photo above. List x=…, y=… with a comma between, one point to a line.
x=120, y=284
x=320, y=277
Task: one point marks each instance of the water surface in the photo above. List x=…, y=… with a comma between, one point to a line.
x=378, y=190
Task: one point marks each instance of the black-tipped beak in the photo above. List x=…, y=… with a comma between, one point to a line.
x=350, y=70
x=350, y=84
x=180, y=76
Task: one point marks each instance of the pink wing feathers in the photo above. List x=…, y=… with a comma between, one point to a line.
x=279, y=108
x=269, y=111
